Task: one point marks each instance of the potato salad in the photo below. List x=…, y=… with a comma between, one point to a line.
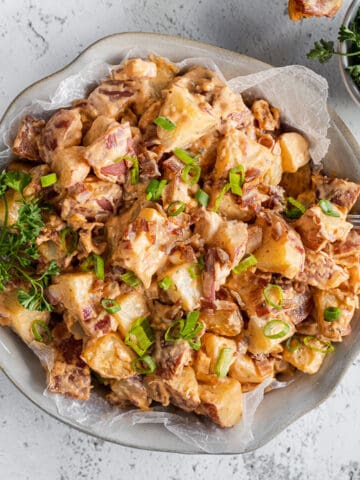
x=169, y=244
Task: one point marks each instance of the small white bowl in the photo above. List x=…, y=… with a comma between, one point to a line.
x=344, y=62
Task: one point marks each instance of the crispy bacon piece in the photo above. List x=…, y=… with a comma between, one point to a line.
x=299, y=9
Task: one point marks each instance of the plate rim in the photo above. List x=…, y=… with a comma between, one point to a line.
x=335, y=118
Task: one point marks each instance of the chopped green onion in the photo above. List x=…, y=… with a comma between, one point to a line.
x=140, y=336
x=298, y=210
x=195, y=343
x=165, y=283
x=221, y=195
x=223, y=362
x=271, y=329
x=191, y=327
x=110, y=305
x=293, y=343
x=271, y=289
x=245, y=264
x=312, y=342
x=173, y=332
x=185, y=156
x=154, y=189
x=237, y=181
x=165, y=123
x=331, y=314
x=134, y=172
x=47, y=180
x=196, y=269
x=175, y=208
x=327, y=208
x=187, y=329
x=39, y=324
x=144, y=360
x=96, y=263
x=202, y=198
x=191, y=174
x=69, y=240
x=130, y=279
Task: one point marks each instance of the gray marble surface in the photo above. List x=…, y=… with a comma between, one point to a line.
x=39, y=37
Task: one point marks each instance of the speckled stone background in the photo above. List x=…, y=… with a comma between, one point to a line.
x=39, y=37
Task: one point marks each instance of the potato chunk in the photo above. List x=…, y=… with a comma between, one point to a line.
x=213, y=344
x=294, y=151
x=258, y=341
x=183, y=288
x=318, y=229
x=70, y=166
x=222, y=402
x=345, y=301
x=18, y=318
x=225, y=320
x=109, y=357
x=190, y=114
x=281, y=250
x=246, y=370
x=133, y=306
x=304, y=359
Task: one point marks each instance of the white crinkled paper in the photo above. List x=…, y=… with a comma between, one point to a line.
x=301, y=96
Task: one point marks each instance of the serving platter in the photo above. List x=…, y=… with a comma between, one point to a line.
x=280, y=408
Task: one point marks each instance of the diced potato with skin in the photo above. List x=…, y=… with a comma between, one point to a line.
x=274, y=174
x=208, y=224
x=138, y=68
x=282, y=250
x=268, y=118
x=109, y=357
x=298, y=182
x=18, y=318
x=176, y=190
x=183, y=288
x=304, y=359
x=14, y=203
x=318, y=229
x=341, y=192
x=236, y=149
x=183, y=390
x=353, y=284
x=70, y=380
x=225, y=320
x=294, y=151
x=191, y=115
x=70, y=166
x=245, y=370
x=133, y=306
x=321, y=271
x=213, y=344
x=258, y=341
x=345, y=301
x=222, y=402
x=202, y=367
x=98, y=128
x=232, y=237
x=255, y=236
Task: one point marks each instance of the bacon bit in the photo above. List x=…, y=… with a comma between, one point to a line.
x=116, y=95
x=115, y=169
x=251, y=174
x=50, y=143
x=87, y=312
x=103, y=325
x=173, y=165
x=221, y=255
x=261, y=310
x=105, y=204
x=266, y=141
x=208, y=276
x=62, y=124
x=277, y=231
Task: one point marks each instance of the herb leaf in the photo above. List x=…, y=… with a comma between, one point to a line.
x=322, y=50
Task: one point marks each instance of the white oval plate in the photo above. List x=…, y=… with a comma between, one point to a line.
x=280, y=408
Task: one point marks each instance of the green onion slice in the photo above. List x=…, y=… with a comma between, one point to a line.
x=165, y=123
x=293, y=343
x=327, y=208
x=220, y=197
x=47, y=180
x=134, y=172
x=195, y=343
x=96, y=263
x=130, y=279
x=165, y=283
x=272, y=290
x=139, y=363
x=196, y=269
x=223, y=362
x=140, y=336
x=175, y=208
x=191, y=174
x=272, y=329
x=298, y=210
x=237, y=179
x=331, y=314
x=202, y=198
x=185, y=156
x=313, y=343
x=38, y=326
x=154, y=189
x=187, y=329
x=69, y=240
x=110, y=305
x=245, y=264
x=173, y=332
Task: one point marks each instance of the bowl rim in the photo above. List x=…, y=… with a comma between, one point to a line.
x=338, y=122
x=352, y=89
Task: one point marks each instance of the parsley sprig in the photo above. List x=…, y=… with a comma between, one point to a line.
x=324, y=50
x=18, y=249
